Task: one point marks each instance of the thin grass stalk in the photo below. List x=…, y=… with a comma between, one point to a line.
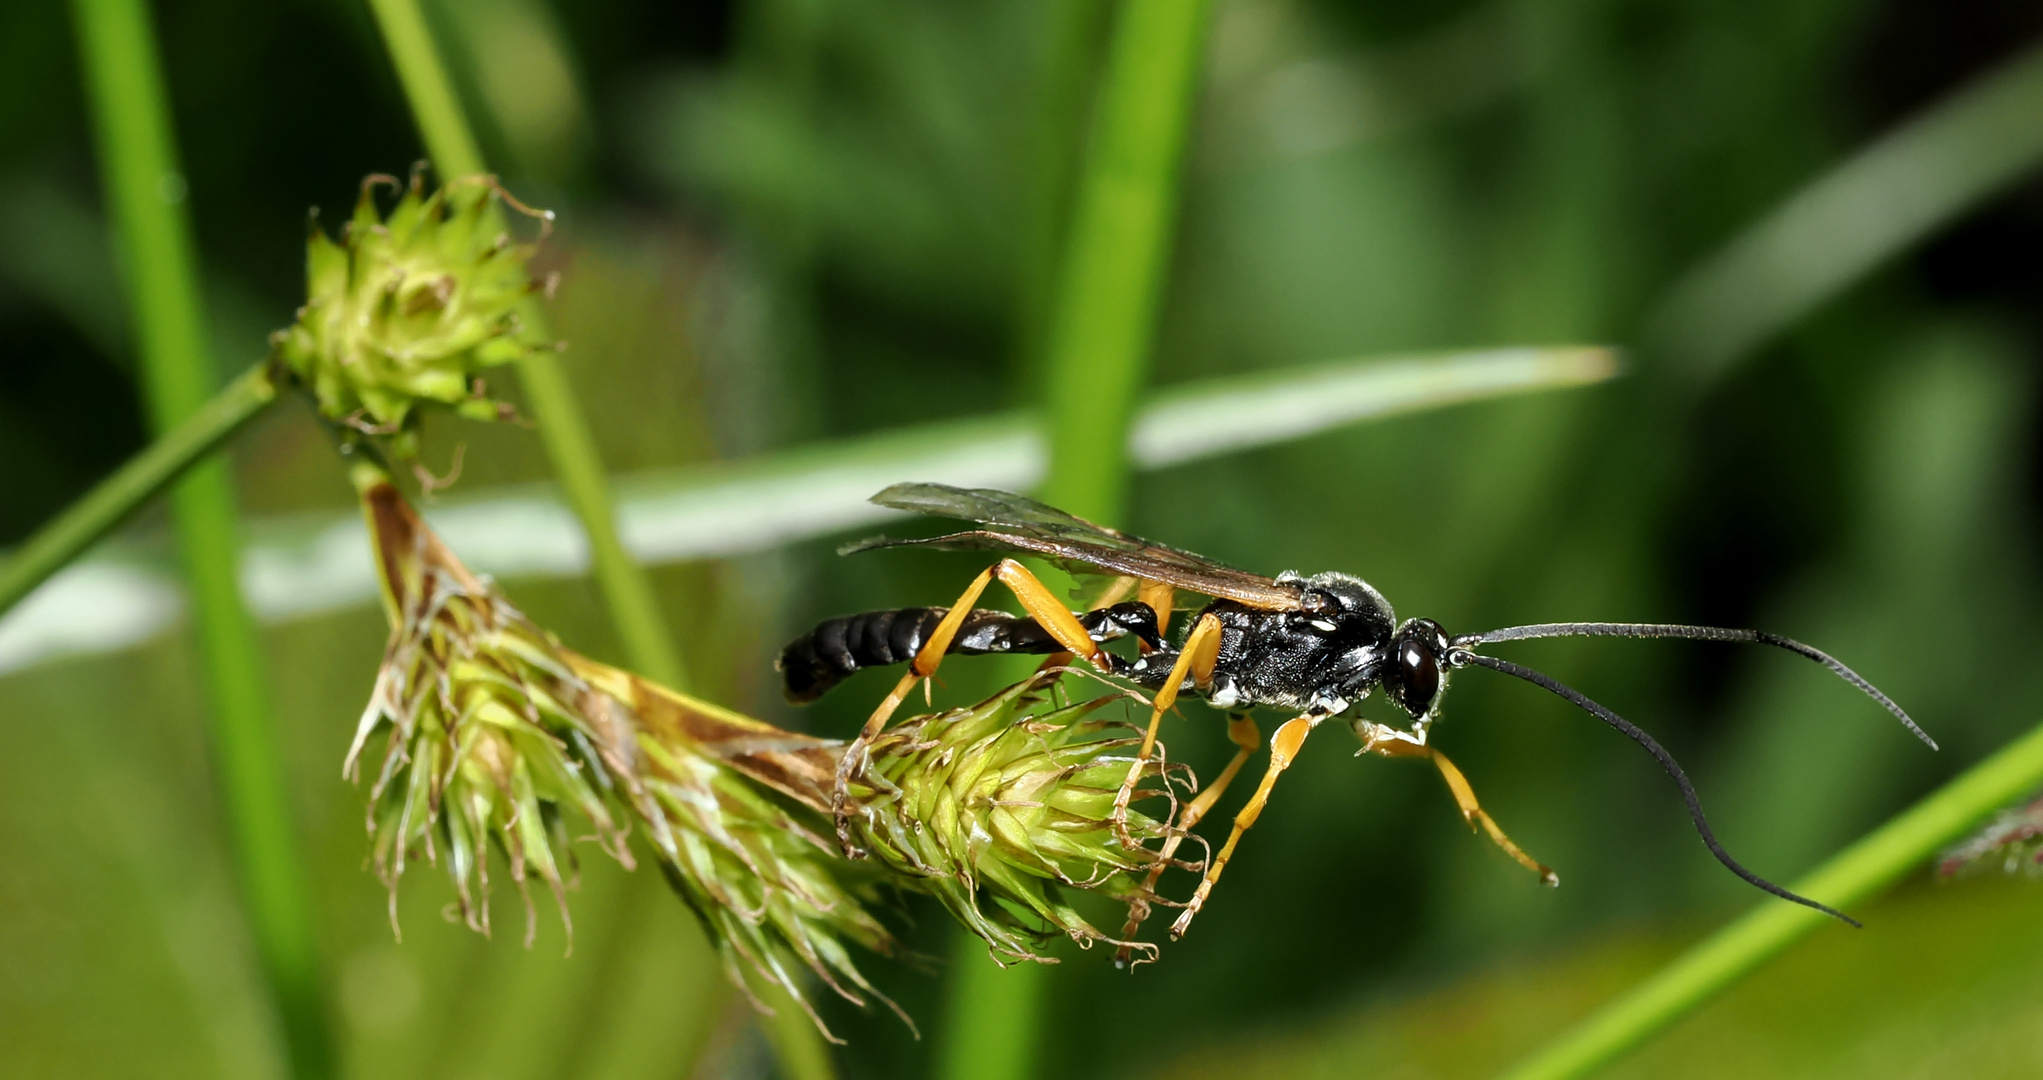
x=144, y=190
x=1073, y=36
x=1854, y=876
x=627, y=590
x=80, y=525
x=563, y=426
x=1101, y=330
x=733, y=507
x=443, y=126
x=1103, y=319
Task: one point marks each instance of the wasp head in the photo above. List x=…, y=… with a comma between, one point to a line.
x=1416, y=675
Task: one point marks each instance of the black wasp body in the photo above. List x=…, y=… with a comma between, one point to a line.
x=1315, y=646
x=1322, y=659
x=839, y=648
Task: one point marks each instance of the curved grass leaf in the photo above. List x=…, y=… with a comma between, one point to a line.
x=303, y=565
x=1835, y=230
x=1856, y=874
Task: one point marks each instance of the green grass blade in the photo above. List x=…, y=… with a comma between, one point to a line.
x=1832, y=232
x=81, y=524
x=648, y=642
x=434, y=107
x=737, y=507
x=1103, y=317
x=1853, y=876
x=1102, y=324
x=627, y=591
x=303, y=565
x=1220, y=416
x=144, y=189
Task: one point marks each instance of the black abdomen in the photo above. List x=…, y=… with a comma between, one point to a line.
x=839, y=648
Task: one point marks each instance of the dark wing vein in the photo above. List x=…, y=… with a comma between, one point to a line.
x=1019, y=524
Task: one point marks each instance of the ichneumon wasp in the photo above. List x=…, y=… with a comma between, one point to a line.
x=1315, y=645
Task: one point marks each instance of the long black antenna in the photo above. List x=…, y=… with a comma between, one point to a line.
x=1698, y=633
x=1660, y=754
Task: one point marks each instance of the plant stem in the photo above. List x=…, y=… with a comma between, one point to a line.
x=1101, y=328
x=1853, y=876
x=434, y=106
x=995, y=1015
x=1104, y=317
x=145, y=193
x=626, y=588
x=66, y=536
x=1073, y=37
x=563, y=427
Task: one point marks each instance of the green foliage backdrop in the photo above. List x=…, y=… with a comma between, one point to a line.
x=789, y=220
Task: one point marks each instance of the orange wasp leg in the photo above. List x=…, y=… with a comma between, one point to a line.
x=1200, y=652
x=1390, y=742
x=1284, y=746
x=1247, y=739
x=1159, y=596
x=1036, y=599
x=1116, y=591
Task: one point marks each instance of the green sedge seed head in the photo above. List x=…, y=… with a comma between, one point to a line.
x=495, y=735
x=409, y=308
x=1001, y=808
x=486, y=738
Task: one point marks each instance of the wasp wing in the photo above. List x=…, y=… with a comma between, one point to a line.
x=1016, y=523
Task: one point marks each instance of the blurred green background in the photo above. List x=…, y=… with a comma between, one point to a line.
x=788, y=220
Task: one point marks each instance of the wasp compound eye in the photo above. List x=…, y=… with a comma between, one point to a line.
x=1418, y=676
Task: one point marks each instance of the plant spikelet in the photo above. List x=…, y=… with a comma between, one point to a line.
x=411, y=307
x=1000, y=808
x=498, y=736
x=762, y=872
